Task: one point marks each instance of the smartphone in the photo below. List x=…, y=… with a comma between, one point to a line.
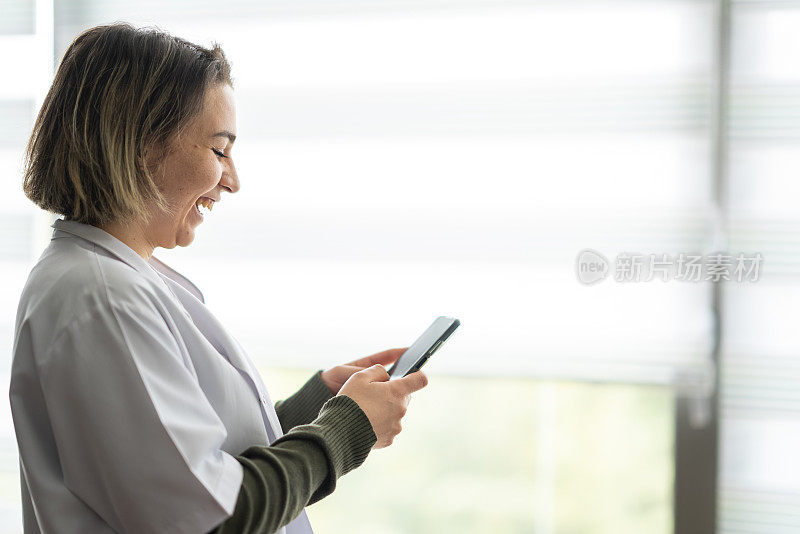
x=423, y=348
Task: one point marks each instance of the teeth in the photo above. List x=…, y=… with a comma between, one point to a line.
x=204, y=205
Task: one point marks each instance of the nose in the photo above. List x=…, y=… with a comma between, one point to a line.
x=230, y=180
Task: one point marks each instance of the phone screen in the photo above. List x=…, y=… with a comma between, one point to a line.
x=423, y=348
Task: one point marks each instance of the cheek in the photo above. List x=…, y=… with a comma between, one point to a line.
x=207, y=175
x=194, y=179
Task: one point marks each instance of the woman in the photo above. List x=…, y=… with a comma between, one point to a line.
x=135, y=410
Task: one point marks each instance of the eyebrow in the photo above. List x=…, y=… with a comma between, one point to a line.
x=225, y=133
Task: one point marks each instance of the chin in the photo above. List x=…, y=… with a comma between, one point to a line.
x=184, y=239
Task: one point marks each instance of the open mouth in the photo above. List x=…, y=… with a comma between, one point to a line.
x=204, y=205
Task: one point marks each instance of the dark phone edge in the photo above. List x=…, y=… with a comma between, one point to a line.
x=438, y=343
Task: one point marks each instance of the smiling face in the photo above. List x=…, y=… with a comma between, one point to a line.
x=196, y=170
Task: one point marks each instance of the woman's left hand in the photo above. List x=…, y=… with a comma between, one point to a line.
x=335, y=377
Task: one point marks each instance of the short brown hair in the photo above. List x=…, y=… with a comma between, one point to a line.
x=118, y=93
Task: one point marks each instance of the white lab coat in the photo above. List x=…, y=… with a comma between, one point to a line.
x=128, y=396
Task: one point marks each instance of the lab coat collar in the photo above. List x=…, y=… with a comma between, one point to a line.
x=122, y=251
x=105, y=240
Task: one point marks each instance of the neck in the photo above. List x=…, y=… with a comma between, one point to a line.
x=132, y=234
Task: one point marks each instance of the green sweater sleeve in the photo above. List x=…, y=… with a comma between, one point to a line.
x=304, y=406
x=299, y=468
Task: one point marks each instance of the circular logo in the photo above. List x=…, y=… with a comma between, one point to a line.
x=591, y=266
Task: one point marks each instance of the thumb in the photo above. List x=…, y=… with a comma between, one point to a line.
x=376, y=373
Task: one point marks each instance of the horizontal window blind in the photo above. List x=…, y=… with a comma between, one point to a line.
x=26, y=33
x=19, y=17
x=760, y=474
x=401, y=160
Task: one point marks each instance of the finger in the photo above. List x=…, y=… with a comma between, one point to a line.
x=376, y=373
x=341, y=374
x=348, y=370
x=384, y=358
x=411, y=383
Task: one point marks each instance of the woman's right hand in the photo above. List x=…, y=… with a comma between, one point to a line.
x=384, y=402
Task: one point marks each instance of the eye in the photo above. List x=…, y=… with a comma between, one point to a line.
x=218, y=153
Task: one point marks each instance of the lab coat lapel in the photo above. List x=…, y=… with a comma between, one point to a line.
x=227, y=346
